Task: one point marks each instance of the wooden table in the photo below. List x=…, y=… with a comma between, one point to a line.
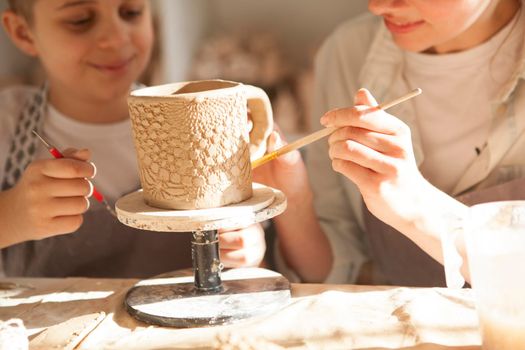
x=82, y=313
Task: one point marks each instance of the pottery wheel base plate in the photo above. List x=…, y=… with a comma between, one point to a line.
x=172, y=300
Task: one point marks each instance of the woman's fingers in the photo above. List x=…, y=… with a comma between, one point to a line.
x=354, y=172
x=382, y=143
x=231, y=240
x=275, y=142
x=362, y=155
x=243, y=247
x=249, y=257
x=364, y=97
x=242, y=238
x=364, y=103
x=366, y=115
x=279, y=168
x=367, y=137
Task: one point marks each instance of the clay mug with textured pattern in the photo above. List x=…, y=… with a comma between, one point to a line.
x=194, y=144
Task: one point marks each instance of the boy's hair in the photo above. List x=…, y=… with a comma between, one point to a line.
x=22, y=8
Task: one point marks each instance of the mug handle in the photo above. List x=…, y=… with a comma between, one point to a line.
x=262, y=118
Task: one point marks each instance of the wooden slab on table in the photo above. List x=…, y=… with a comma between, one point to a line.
x=68, y=334
x=19, y=296
x=320, y=316
x=65, y=318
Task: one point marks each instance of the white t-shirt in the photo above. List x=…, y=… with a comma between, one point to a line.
x=473, y=77
x=111, y=145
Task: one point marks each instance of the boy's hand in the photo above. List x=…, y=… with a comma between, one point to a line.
x=51, y=196
x=242, y=248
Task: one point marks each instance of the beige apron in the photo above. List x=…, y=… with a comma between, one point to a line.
x=399, y=261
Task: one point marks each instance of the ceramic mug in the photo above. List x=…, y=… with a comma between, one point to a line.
x=193, y=141
x=495, y=242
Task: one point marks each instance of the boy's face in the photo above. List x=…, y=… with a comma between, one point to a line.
x=94, y=47
x=434, y=25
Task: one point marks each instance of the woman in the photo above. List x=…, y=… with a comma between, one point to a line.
x=418, y=168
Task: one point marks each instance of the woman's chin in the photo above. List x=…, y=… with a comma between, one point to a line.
x=407, y=44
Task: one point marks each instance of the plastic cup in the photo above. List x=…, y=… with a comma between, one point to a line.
x=495, y=241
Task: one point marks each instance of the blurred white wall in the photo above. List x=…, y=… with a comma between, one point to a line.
x=182, y=27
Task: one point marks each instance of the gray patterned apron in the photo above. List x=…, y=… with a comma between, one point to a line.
x=102, y=247
x=396, y=260
x=401, y=262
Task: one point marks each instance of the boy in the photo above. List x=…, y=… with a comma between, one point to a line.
x=92, y=53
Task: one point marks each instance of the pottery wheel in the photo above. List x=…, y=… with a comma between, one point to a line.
x=266, y=203
x=171, y=299
x=210, y=296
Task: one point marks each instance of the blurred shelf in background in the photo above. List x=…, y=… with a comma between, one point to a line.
x=268, y=43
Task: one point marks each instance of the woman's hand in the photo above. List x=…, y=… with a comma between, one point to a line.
x=312, y=258
x=243, y=247
x=374, y=150
x=286, y=173
x=50, y=197
x=246, y=247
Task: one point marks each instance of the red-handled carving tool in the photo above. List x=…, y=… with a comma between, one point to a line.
x=57, y=154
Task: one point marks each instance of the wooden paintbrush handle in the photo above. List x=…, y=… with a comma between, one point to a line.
x=324, y=132
x=293, y=146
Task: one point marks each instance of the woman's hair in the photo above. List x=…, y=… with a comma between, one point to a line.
x=23, y=8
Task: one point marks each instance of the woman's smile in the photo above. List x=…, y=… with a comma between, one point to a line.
x=402, y=27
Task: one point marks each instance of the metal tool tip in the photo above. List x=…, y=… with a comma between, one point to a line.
x=40, y=138
x=109, y=208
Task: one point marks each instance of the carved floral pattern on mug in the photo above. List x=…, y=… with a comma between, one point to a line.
x=193, y=150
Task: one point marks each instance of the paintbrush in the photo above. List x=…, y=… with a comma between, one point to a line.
x=57, y=154
x=325, y=132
